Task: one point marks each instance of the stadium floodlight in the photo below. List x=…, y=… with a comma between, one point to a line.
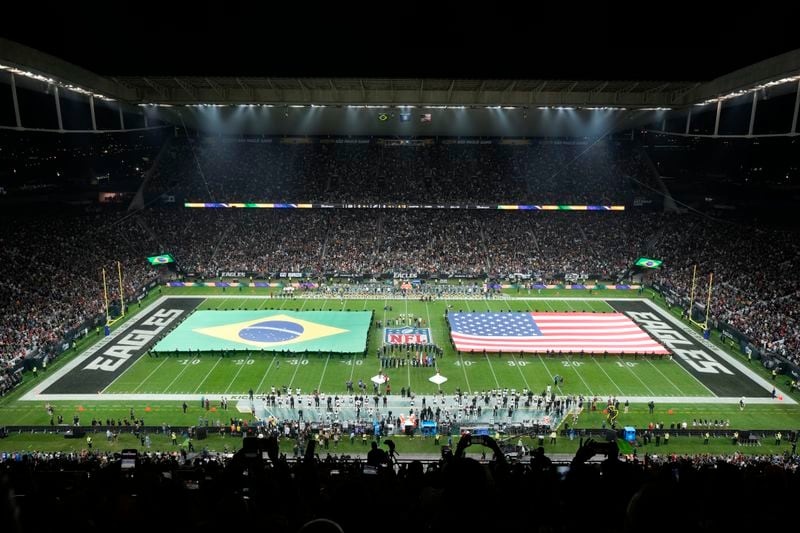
x=318, y=105
x=51, y=81
x=742, y=92
x=296, y=106
x=435, y=107
x=509, y=107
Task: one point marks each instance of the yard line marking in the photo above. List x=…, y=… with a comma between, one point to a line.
x=462, y=358
x=408, y=367
x=222, y=301
x=319, y=387
x=188, y=363
x=569, y=305
x=516, y=364
x=149, y=375
x=680, y=392
x=241, y=367
x=209, y=373
x=549, y=373
x=575, y=368
x=640, y=380
x=430, y=327
x=297, y=367
x=492, y=369
x=606, y=373
x=261, y=304
x=540, y=355
x=265, y=374
x=465, y=372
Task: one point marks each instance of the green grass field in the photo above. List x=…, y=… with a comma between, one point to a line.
x=235, y=375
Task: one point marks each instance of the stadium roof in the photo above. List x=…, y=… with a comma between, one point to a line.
x=188, y=90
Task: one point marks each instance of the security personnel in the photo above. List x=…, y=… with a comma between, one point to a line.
x=778, y=437
x=705, y=438
x=735, y=437
x=89, y=441
x=666, y=438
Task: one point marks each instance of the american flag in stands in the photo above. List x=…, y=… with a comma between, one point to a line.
x=540, y=332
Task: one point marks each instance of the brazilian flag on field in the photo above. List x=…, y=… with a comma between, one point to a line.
x=275, y=330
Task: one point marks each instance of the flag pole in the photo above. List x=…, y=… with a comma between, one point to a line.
x=691, y=297
x=105, y=295
x=121, y=293
x=708, y=301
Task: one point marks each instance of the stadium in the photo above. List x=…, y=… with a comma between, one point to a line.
x=268, y=296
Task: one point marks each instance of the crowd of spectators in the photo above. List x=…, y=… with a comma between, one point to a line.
x=52, y=280
x=258, y=485
x=371, y=171
x=52, y=263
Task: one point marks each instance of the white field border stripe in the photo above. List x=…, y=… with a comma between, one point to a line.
x=217, y=397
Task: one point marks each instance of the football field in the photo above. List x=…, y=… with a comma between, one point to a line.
x=139, y=373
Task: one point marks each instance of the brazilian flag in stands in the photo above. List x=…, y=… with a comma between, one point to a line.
x=276, y=330
x=161, y=259
x=648, y=263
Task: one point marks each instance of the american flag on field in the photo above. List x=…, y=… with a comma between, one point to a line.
x=540, y=332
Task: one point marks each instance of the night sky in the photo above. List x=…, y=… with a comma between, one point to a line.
x=603, y=40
